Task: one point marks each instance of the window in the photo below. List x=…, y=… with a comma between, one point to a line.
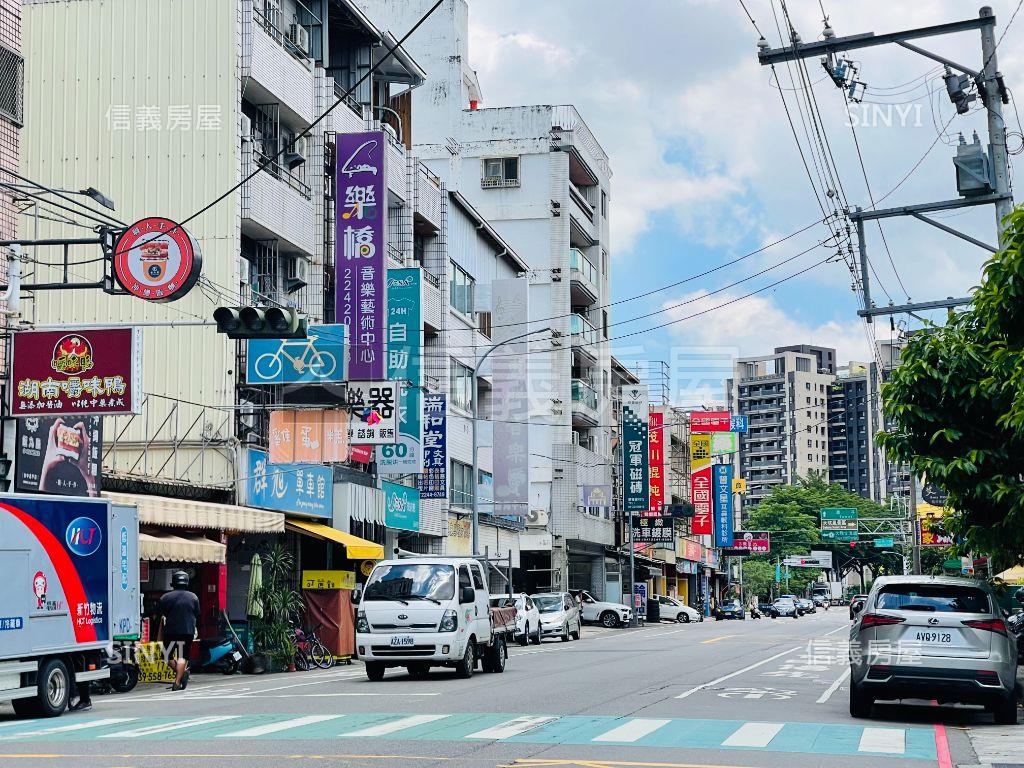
x=462, y=485
x=808, y=400
x=483, y=323
x=464, y=581
x=12, y=84
x=478, y=578
x=500, y=172
x=803, y=364
x=807, y=385
x=462, y=386
x=604, y=262
x=461, y=290
x=604, y=322
x=810, y=457
x=604, y=204
x=938, y=598
x=419, y=248
x=808, y=443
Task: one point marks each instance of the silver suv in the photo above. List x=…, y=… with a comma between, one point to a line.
x=933, y=637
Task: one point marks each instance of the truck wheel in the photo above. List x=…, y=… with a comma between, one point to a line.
x=467, y=663
x=494, y=656
x=609, y=619
x=54, y=689
x=375, y=671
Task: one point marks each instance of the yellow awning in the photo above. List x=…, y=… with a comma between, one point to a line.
x=355, y=548
x=180, y=549
x=185, y=513
x=1013, y=575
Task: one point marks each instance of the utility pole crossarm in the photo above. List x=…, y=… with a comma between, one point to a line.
x=836, y=45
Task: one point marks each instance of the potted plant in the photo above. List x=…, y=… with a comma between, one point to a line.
x=273, y=633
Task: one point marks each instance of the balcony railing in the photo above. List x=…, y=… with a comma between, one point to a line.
x=278, y=171
x=584, y=394
x=272, y=26
x=497, y=182
x=580, y=263
x=582, y=330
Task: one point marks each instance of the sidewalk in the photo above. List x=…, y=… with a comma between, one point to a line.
x=997, y=746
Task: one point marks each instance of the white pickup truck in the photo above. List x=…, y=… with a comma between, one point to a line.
x=428, y=612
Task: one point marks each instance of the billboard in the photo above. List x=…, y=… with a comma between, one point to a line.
x=710, y=421
x=54, y=455
x=360, y=249
x=317, y=359
x=724, y=443
x=308, y=436
x=653, y=530
x=374, y=408
x=405, y=363
x=433, y=481
x=596, y=496
x=656, y=441
x=722, y=477
x=510, y=302
x=635, y=449
x=81, y=372
x=754, y=542
x=305, y=489
x=401, y=506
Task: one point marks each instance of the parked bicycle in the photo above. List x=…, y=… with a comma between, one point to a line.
x=310, y=650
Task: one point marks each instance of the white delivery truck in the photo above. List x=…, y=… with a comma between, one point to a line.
x=425, y=612
x=70, y=570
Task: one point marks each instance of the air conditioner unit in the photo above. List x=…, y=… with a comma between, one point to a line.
x=298, y=35
x=537, y=518
x=246, y=126
x=298, y=274
x=295, y=155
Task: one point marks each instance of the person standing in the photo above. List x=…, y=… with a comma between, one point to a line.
x=179, y=613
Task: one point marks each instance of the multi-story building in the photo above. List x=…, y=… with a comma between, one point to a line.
x=785, y=397
x=851, y=431
x=12, y=73
x=543, y=180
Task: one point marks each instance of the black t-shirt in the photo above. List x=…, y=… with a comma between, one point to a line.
x=180, y=609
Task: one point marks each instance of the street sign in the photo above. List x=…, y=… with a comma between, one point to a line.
x=839, y=535
x=883, y=543
x=806, y=561
x=839, y=524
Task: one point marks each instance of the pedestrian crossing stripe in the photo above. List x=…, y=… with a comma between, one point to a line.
x=671, y=733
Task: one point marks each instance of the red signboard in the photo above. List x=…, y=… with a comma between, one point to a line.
x=692, y=550
x=755, y=542
x=361, y=454
x=700, y=497
x=86, y=371
x=656, y=443
x=710, y=421
x=157, y=260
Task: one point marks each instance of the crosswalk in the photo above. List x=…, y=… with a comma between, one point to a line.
x=681, y=733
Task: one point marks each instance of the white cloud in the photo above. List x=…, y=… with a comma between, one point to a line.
x=755, y=325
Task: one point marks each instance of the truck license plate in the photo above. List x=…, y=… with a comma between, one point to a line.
x=402, y=641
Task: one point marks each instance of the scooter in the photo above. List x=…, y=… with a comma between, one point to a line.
x=221, y=654
x=754, y=613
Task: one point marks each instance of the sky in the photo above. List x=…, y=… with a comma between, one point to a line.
x=706, y=168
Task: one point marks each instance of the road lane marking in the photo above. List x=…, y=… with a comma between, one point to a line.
x=67, y=728
x=151, y=730
x=284, y=725
x=833, y=688
x=511, y=728
x=633, y=730
x=731, y=675
x=716, y=639
x=833, y=631
x=753, y=735
x=383, y=729
x=890, y=741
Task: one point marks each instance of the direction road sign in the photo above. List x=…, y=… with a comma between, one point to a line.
x=883, y=543
x=840, y=535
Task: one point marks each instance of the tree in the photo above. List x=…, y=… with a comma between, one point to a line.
x=758, y=578
x=956, y=403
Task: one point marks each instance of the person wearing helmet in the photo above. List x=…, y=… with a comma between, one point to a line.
x=179, y=612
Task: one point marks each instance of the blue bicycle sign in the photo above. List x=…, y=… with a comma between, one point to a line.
x=318, y=358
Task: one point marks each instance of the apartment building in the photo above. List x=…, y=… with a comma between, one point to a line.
x=852, y=427
x=539, y=175
x=12, y=73
x=785, y=397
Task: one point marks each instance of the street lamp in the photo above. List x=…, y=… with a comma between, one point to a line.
x=475, y=411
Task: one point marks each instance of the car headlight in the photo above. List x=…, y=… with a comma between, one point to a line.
x=362, y=624
x=449, y=621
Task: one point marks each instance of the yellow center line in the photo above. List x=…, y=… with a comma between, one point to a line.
x=716, y=639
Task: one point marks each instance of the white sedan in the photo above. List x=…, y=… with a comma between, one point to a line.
x=676, y=610
x=599, y=611
x=527, y=616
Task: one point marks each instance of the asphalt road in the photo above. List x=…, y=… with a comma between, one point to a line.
x=754, y=694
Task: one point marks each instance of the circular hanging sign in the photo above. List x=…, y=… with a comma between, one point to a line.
x=156, y=259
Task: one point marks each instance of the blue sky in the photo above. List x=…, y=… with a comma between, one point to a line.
x=706, y=168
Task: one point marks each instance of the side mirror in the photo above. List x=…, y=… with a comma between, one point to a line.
x=357, y=596
x=467, y=595
x=1019, y=596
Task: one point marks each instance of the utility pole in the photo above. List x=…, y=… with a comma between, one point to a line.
x=916, y=550
x=996, y=126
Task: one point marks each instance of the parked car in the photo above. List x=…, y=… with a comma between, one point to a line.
x=856, y=604
x=730, y=610
x=805, y=605
x=428, y=612
x=527, y=617
x=600, y=611
x=765, y=608
x=933, y=637
x=559, y=615
x=677, y=610
x=784, y=606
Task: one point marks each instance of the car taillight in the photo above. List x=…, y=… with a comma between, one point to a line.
x=878, y=620
x=989, y=625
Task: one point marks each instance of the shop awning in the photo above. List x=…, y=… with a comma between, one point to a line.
x=355, y=547
x=180, y=549
x=185, y=513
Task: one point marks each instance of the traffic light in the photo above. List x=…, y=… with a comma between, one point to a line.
x=260, y=323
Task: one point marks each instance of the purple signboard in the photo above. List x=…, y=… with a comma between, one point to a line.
x=360, y=250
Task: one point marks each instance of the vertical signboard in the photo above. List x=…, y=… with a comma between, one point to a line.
x=401, y=506
x=656, y=439
x=62, y=456
x=635, y=449
x=405, y=363
x=723, y=504
x=433, y=481
x=510, y=400
x=700, y=483
x=360, y=244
